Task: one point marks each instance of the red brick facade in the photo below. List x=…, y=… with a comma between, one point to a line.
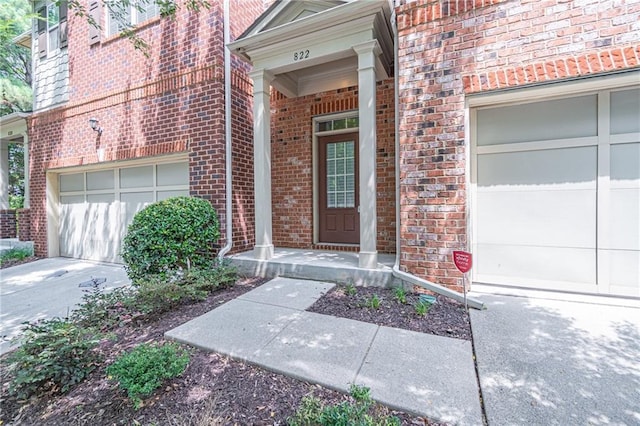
x=167, y=103
x=8, y=223
x=450, y=49
x=173, y=102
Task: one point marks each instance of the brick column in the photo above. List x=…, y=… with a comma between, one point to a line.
x=24, y=225
x=7, y=223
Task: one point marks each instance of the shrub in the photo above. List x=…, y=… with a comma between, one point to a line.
x=157, y=293
x=55, y=355
x=106, y=310
x=359, y=411
x=143, y=369
x=170, y=235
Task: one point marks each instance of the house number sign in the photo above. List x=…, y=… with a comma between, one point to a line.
x=300, y=55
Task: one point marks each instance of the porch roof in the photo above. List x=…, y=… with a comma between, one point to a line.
x=308, y=46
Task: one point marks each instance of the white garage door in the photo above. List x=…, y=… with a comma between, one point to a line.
x=557, y=193
x=97, y=206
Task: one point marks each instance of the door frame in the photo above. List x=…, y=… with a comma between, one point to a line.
x=315, y=159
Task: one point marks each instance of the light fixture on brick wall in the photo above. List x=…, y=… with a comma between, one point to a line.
x=93, y=122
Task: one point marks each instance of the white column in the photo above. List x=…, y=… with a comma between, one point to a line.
x=367, y=53
x=25, y=139
x=4, y=175
x=262, y=163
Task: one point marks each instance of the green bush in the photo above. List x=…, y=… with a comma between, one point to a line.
x=105, y=310
x=170, y=235
x=55, y=355
x=359, y=411
x=143, y=369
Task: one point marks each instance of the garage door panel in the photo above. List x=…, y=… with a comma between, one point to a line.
x=538, y=121
x=566, y=168
x=539, y=218
x=625, y=165
x=624, y=271
x=163, y=195
x=624, y=222
x=512, y=264
x=93, y=219
x=625, y=111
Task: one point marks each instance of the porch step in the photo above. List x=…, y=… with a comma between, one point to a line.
x=319, y=265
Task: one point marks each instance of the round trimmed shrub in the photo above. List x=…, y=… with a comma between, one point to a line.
x=173, y=234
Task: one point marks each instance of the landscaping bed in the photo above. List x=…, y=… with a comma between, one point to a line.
x=213, y=389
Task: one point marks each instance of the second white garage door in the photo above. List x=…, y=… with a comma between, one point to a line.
x=97, y=206
x=557, y=193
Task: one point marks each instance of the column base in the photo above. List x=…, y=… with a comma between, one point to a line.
x=368, y=259
x=263, y=252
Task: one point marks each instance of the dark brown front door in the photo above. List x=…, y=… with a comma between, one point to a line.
x=338, y=172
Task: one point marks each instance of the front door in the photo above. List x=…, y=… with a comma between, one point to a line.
x=338, y=197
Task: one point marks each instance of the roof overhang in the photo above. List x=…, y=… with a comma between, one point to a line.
x=23, y=39
x=13, y=126
x=308, y=46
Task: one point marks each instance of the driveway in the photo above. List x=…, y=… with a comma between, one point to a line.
x=556, y=359
x=48, y=288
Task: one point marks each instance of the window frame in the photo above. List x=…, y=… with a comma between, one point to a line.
x=133, y=15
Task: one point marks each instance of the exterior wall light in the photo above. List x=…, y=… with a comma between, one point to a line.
x=93, y=122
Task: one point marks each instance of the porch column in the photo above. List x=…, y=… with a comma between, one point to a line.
x=25, y=139
x=4, y=175
x=262, y=163
x=367, y=53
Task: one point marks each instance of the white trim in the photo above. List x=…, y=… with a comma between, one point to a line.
x=602, y=194
x=537, y=145
x=145, y=161
x=624, y=138
x=315, y=165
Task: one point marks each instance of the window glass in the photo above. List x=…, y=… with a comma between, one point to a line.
x=53, y=19
x=136, y=177
x=125, y=16
x=340, y=175
x=100, y=180
x=73, y=182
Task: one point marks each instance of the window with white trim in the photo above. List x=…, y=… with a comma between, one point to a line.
x=121, y=17
x=51, y=27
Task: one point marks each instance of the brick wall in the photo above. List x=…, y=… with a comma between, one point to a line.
x=24, y=225
x=292, y=165
x=171, y=101
x=449, y=49
x=8, y=223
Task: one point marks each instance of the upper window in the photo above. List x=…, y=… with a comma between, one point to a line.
x=121, y=17
x=52, y=27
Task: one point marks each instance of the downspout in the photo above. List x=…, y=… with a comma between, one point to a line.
x=401, y=275
x=227, y=135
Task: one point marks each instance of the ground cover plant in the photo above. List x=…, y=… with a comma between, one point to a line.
x=16, y=256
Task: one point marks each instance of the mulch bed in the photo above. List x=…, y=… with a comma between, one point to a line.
x=446, y=317
x=13, y=262
x=213, y=390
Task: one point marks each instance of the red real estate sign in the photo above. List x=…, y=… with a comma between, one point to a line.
x=462, y=260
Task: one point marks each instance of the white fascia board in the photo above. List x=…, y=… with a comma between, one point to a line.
x=14, y=124
x=310, y=26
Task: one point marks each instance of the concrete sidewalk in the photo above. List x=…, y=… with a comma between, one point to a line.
x=48, y=288
x=557, y=359
x=418, y=373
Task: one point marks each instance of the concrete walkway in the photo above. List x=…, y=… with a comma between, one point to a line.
x=48, y=288
x=557, y=359
x=418, y=373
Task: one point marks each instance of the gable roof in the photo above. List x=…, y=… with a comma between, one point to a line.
x=282, y=12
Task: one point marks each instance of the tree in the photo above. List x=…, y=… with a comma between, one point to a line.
x=15, y=60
